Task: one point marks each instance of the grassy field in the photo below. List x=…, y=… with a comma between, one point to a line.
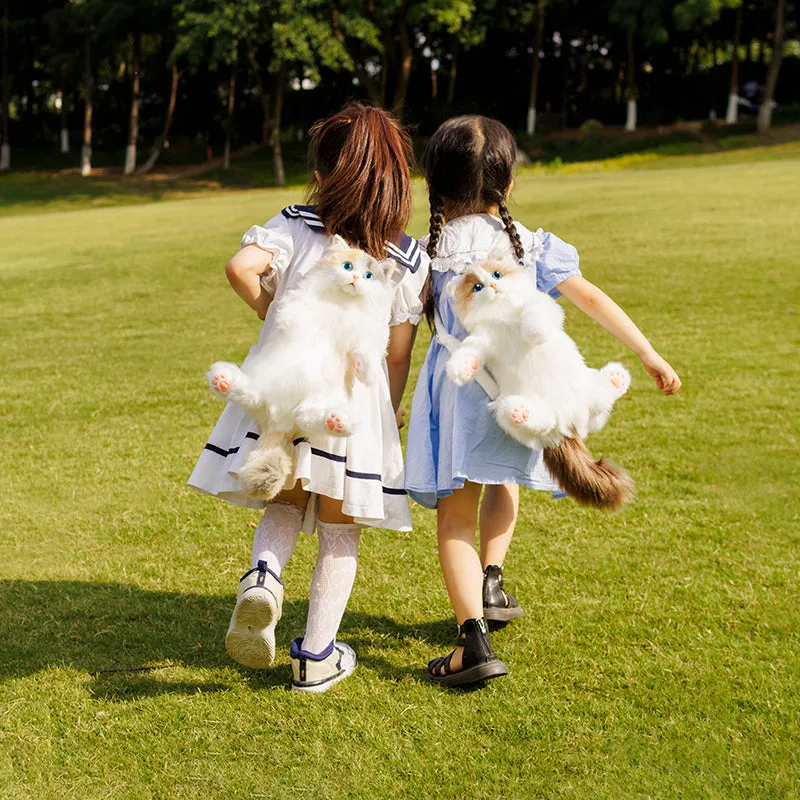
x=659, y=656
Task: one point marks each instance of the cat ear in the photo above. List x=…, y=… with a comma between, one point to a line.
x=393, y=272
x=452, y=285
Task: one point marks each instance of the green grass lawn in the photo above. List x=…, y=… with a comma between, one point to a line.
x=659, y=655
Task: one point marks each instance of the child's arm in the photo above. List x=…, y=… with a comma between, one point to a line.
x=398, y=360
x=604, y=311
x=244, y=272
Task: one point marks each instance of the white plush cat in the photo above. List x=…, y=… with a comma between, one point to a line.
x=548, y=398
x=328, y=333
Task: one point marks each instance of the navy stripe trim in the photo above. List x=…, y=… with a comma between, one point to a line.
x=387, y=490
x=329, y=456
x=367, y=476
x=220, y=451
x=407, y=252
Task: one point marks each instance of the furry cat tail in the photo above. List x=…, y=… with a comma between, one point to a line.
x=601, y=484
x=267, y=467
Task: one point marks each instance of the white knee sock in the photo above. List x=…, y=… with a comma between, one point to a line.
x=276, y=535
x=331, y=583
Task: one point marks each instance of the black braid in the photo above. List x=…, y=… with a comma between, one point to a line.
x=511, y=230
x=437, y=222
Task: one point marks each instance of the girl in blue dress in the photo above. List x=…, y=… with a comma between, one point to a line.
x=455, y=449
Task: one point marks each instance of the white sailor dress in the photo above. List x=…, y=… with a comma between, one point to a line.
x=363, y=470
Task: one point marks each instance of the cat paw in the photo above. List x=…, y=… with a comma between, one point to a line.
x=462, y=368
x=362, y=369
x=520, y=414
x=220, y=378
x=618, y=377
x=337, y=423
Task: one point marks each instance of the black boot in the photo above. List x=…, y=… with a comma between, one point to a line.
x=498, y=604
x=478, y=662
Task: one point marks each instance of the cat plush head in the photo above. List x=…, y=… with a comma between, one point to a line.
x=354, y=273
x=494, y=291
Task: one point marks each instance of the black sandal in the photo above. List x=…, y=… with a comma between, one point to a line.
x=478, y=662
x=498, y=604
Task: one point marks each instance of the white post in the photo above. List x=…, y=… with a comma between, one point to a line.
x=86, y=161
x=531, y=127
x=130, y=159
x=5, y=157
x=630, y=122
x=733, y=109
x=64, y=140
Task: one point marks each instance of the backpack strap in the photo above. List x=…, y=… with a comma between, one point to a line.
x=450, y=343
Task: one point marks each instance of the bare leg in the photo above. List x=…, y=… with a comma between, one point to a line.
x=461, y=567
x=498, y=517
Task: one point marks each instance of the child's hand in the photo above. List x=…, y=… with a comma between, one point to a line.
x=400, y=418
x=662, y=373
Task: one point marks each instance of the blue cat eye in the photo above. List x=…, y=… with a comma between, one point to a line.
x=478, y=287
x=347, y=266
x=497, y=274
x=367, y=276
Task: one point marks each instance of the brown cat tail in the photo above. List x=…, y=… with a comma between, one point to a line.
x=601, y=484
x=267, y=467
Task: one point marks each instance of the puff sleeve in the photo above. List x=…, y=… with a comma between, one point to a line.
x=274, y=236
x=407, y=302
x=554, y=260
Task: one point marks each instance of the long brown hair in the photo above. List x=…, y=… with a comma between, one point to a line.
x=469, y=164
x=362, y=155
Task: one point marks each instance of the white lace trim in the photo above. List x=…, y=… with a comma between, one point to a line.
x=405, y=316
x=458, y=262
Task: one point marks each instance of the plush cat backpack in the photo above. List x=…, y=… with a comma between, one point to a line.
x=329, y=332
x=542, y=393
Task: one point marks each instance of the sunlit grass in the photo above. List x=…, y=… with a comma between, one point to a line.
x=659, y=654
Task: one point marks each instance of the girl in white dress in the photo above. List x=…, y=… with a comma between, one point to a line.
x=361, y=193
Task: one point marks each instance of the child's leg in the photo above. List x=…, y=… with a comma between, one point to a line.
x=499, y=509
x=473, y=659
x=276, y=535
x=333, y=576
x=251, y=634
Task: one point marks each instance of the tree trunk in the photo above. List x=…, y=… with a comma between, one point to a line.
x=374, y=96
x=64, y=122
x=5, y=148
x=86, y=151
x=133, y=132
x=452, y=75
x=538, y=34
x=630, y=85
x=277, y=112
x=226, y=157
x=767, y=106
x=162, y=140
x=733, y=95
x=263, y=95
x=406, y=56
x=712, y=110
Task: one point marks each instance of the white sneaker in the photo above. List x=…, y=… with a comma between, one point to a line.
x=317, y=673
x=259, y=603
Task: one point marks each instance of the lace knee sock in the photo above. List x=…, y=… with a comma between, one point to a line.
x=276, y=535
x=331, y=583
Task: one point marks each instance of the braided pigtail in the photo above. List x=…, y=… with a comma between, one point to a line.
x=511, y=230
x=437, y=223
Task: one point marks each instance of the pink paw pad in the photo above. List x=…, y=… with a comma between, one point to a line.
x=520, y=414
x=617, y=378
x=221, y=382
x=358, y=367
x=334, y=423
x=470, y=368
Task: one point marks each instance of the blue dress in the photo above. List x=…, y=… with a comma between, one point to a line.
x=452, y=435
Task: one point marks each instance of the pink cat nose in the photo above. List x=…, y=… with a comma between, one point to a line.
x=355, y=278
x=493, y=285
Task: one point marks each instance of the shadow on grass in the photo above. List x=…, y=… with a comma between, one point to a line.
x=128, y=639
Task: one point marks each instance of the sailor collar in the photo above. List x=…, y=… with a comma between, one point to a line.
x=406, y=252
